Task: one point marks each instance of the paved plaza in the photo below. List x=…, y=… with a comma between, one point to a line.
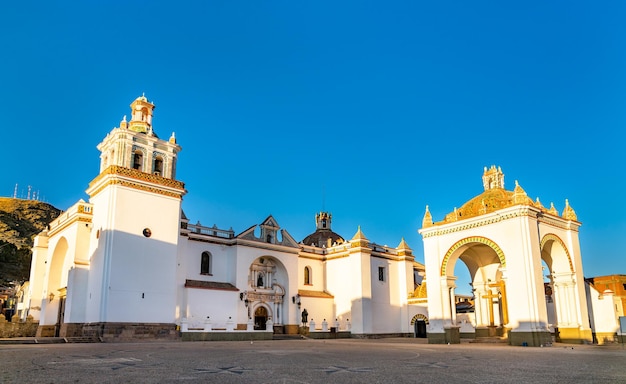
x=310, y=361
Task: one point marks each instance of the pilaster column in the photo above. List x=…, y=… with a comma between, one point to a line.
x=448, y=302
x=481, y=308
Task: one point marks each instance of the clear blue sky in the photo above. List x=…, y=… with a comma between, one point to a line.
x=368, y=109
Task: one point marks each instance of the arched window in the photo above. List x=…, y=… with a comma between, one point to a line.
x=137, y=160
x=307, y=275
x=205, y=263
x=158, y=166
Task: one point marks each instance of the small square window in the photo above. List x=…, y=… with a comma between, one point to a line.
x=381, y=273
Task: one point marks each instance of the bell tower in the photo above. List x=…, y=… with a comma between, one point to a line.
x=137, y=206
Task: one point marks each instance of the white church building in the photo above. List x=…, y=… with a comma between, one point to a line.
x=128, y=264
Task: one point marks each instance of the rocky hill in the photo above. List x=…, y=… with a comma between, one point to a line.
x=20, y=221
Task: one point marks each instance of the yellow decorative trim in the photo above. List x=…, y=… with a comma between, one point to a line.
x=420, y=292
x=553, y=237
x=135, y=174
x=473, y=239
x=419, y=316
x=524, y=211
x=71, y=220
x=86, y=209
x=359, y=239
x=140, y=187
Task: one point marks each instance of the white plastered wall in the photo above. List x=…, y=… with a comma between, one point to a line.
x=134, y=276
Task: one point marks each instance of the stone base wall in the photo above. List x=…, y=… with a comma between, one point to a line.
x=226, y=336
x=372, y=335
x=16, y=328
x=46, y=331
x=436, y=338
x=115, y=332
x=530, y=339
x=291, y=329
x=605, y=337
x=574, y=336
x=468, y=335
x=338, y=335
x=449, y=336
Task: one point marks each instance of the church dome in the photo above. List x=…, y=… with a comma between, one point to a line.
x=320, y=238
x=493, y=198
x=323, y=235
x=488, y=201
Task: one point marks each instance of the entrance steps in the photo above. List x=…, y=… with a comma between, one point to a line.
x=82, y=339
x=278, y=336
x=49, y=340
x=490, y=340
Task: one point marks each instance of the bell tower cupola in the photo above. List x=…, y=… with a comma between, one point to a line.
x=493, y=178
x=141, y=117
x=322, y=220
x=135, y=144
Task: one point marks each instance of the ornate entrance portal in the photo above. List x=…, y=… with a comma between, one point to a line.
x=266, y=293
x=502, y=237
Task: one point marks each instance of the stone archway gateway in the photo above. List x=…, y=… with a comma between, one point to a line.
x=503, y=237
x=486, y=263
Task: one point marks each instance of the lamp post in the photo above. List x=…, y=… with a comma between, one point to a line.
x=296, y=300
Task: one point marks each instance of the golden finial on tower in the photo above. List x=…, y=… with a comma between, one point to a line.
x=427, y=221
x=404, y=249
x=359, y=239
x=359, y=234
x=519, y=195
x=553, y=210
x=568, y=212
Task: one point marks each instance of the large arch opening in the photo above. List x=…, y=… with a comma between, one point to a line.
x=484, y=312
x=57, y=281
x=559, y=282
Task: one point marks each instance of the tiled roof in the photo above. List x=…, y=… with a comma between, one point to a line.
x=210, y=285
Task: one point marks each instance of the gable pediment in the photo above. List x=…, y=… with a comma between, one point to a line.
x=269, y=231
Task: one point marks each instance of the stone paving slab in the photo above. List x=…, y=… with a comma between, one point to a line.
x=310, y=361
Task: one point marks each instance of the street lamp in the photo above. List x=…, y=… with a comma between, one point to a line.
x=243, y=296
